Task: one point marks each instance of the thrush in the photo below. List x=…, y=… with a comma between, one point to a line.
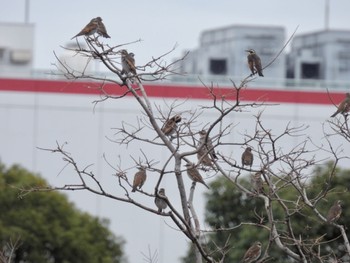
x=170, y=125
x=203, y=157
x=257, y=183
x=334, y=212
x=94, y=26
x=194, y=175
x=128, y=62
x=344, y=106
x=139, y=179
x=101, y=30
x=247, y=157
x=253, y=253
x=160, y=202
x=254, y=62
x=208, y=144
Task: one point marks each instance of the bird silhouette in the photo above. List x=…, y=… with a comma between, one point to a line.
x=128, y=64
x=170, y=125
x=139, y=179
x=254, y=62
x=160, y=202
x=203, y=157
x=344, y=106
x=94, y=26
x=194, y=174
x=247, y=157
x=334, y=212
x=208, y=144
x=253, y=253
x=257, y=183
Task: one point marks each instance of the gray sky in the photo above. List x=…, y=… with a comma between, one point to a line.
x=161, y=24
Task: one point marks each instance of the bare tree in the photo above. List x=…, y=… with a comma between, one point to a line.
x=8, y=251
x=184, y=139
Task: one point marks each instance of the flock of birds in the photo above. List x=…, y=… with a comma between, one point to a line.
x=96, y=26
x=206, y=154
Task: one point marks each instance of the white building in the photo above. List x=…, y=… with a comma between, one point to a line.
x=221, y=51
x=16, y=49
x=322, y=55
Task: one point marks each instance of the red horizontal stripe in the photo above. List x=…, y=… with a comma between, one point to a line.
x=173, y=91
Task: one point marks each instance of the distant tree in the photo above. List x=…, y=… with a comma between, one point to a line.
x=46, y=227
x=238, y=219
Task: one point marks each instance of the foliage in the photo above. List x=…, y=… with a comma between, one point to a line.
x=48, y=226
x=227, y=208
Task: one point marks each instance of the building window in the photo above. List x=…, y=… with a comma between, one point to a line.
x=344, y=65
x=218, y=66
x=2, y=53
x=310, y=70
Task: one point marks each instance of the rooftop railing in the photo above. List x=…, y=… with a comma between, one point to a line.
x=199, y=80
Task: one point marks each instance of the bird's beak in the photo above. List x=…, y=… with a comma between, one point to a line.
x=247, y=50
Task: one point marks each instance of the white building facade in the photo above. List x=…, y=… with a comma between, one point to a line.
x=16, y=49
x=323, y=55
x=222, y=52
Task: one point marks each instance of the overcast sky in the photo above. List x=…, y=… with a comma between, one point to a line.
x=161, y=24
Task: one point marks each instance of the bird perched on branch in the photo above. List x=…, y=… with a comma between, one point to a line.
x=208, y=144
x=254, y=62
x=257, y=183
x=203, y=157
x=194, y=175
x=139, y=178
x=334, y=212
x=247, y=157
x=253, y=253
x=170, y=125
x=344, y=106
x=94, y=26
x=128, y=63
x=160, y=202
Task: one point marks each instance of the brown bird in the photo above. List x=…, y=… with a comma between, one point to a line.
x=344, y=106
x=139, y=179
x=254, y=62
x=94, y=26
x=208, y=144
x=160, y=202
x=203, y=157
x=194, y=175
x=253, y=253
x=247, y=157
x=128, y=62
x=170, y=125
x=128, y=65
x=257, y=183
x=101, y=30
x=334, y=212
